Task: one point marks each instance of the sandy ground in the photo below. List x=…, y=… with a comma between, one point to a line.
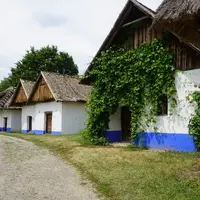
x=28, y=172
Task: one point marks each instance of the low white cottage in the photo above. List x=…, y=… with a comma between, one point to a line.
x=10, y=118
x=20, y=99
x=56, y=105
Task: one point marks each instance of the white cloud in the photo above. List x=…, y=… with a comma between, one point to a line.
x=78, y=27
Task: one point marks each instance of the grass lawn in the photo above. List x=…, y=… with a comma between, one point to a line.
x=126, y=173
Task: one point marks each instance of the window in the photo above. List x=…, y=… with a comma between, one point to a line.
x=163, y=106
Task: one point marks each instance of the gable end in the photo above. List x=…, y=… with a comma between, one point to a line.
x=41, y=92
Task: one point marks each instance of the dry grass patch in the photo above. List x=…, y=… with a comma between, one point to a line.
x=125, y=174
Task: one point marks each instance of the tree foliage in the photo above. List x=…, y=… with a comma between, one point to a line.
x=4, y=84
x=45, y=59
x=194, y=124
x=136, y=78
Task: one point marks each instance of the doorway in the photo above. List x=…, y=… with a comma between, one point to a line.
x=30, y=119
x=126, y=123
x=48, y=123
x=5, y=124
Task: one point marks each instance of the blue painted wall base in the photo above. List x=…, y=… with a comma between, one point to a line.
x=7, y=130
x=25, y=131
x=113, y=136
x=42, y=132
x=38, y=132
x=169, y=141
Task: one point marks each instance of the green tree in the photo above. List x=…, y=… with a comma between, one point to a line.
x=45, y=59
x=4, y=84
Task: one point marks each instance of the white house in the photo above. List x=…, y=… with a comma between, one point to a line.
x=19, y=99
x=10, y=118
x=132, y=28
x=56, y=105
x=172, y=129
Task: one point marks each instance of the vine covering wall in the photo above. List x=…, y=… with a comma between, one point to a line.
x=136, y=78
x=194, y=124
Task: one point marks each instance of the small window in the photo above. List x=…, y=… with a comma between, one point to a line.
x=163, y=106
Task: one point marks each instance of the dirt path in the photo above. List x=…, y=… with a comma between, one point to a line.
x=28, y=172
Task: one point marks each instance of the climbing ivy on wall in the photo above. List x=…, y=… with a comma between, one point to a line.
x=136, y=78
x=194, y=124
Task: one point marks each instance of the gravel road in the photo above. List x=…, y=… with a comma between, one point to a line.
x=28, y=172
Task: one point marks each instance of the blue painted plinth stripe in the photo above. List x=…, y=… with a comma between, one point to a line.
x=41, y=132
x=56, y=133
x=24, y=131
x=113, y=136
x=170, y=141
x=7, y=130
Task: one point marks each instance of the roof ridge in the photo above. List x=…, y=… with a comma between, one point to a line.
x=58, y=74
x=26, y=80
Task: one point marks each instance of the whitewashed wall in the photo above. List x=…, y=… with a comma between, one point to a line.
x=174, y=133
x=41, y=109
x=173, y=129
x=113, y=134
x=186, y=83
x=14, y=120
x=74, y=117
x=115, y=121
x=27, y=111
x=5, y=113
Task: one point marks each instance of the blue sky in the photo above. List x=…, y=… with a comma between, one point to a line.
x=78, y=27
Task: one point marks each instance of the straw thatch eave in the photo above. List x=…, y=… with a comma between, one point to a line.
x=5, y=99
x=181, y=17
x=178, y=10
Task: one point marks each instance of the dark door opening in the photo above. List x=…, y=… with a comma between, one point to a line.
x=48, y=123
x=5, y=122
x=126, y=123
x=30, y=119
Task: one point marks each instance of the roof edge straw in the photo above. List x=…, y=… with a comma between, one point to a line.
x=181, y=17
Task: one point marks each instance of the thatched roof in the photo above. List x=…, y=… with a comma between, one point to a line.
x=181, y=17
x=64, y=88
x=5, y=98
x=28, y=86
x=171, y=16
